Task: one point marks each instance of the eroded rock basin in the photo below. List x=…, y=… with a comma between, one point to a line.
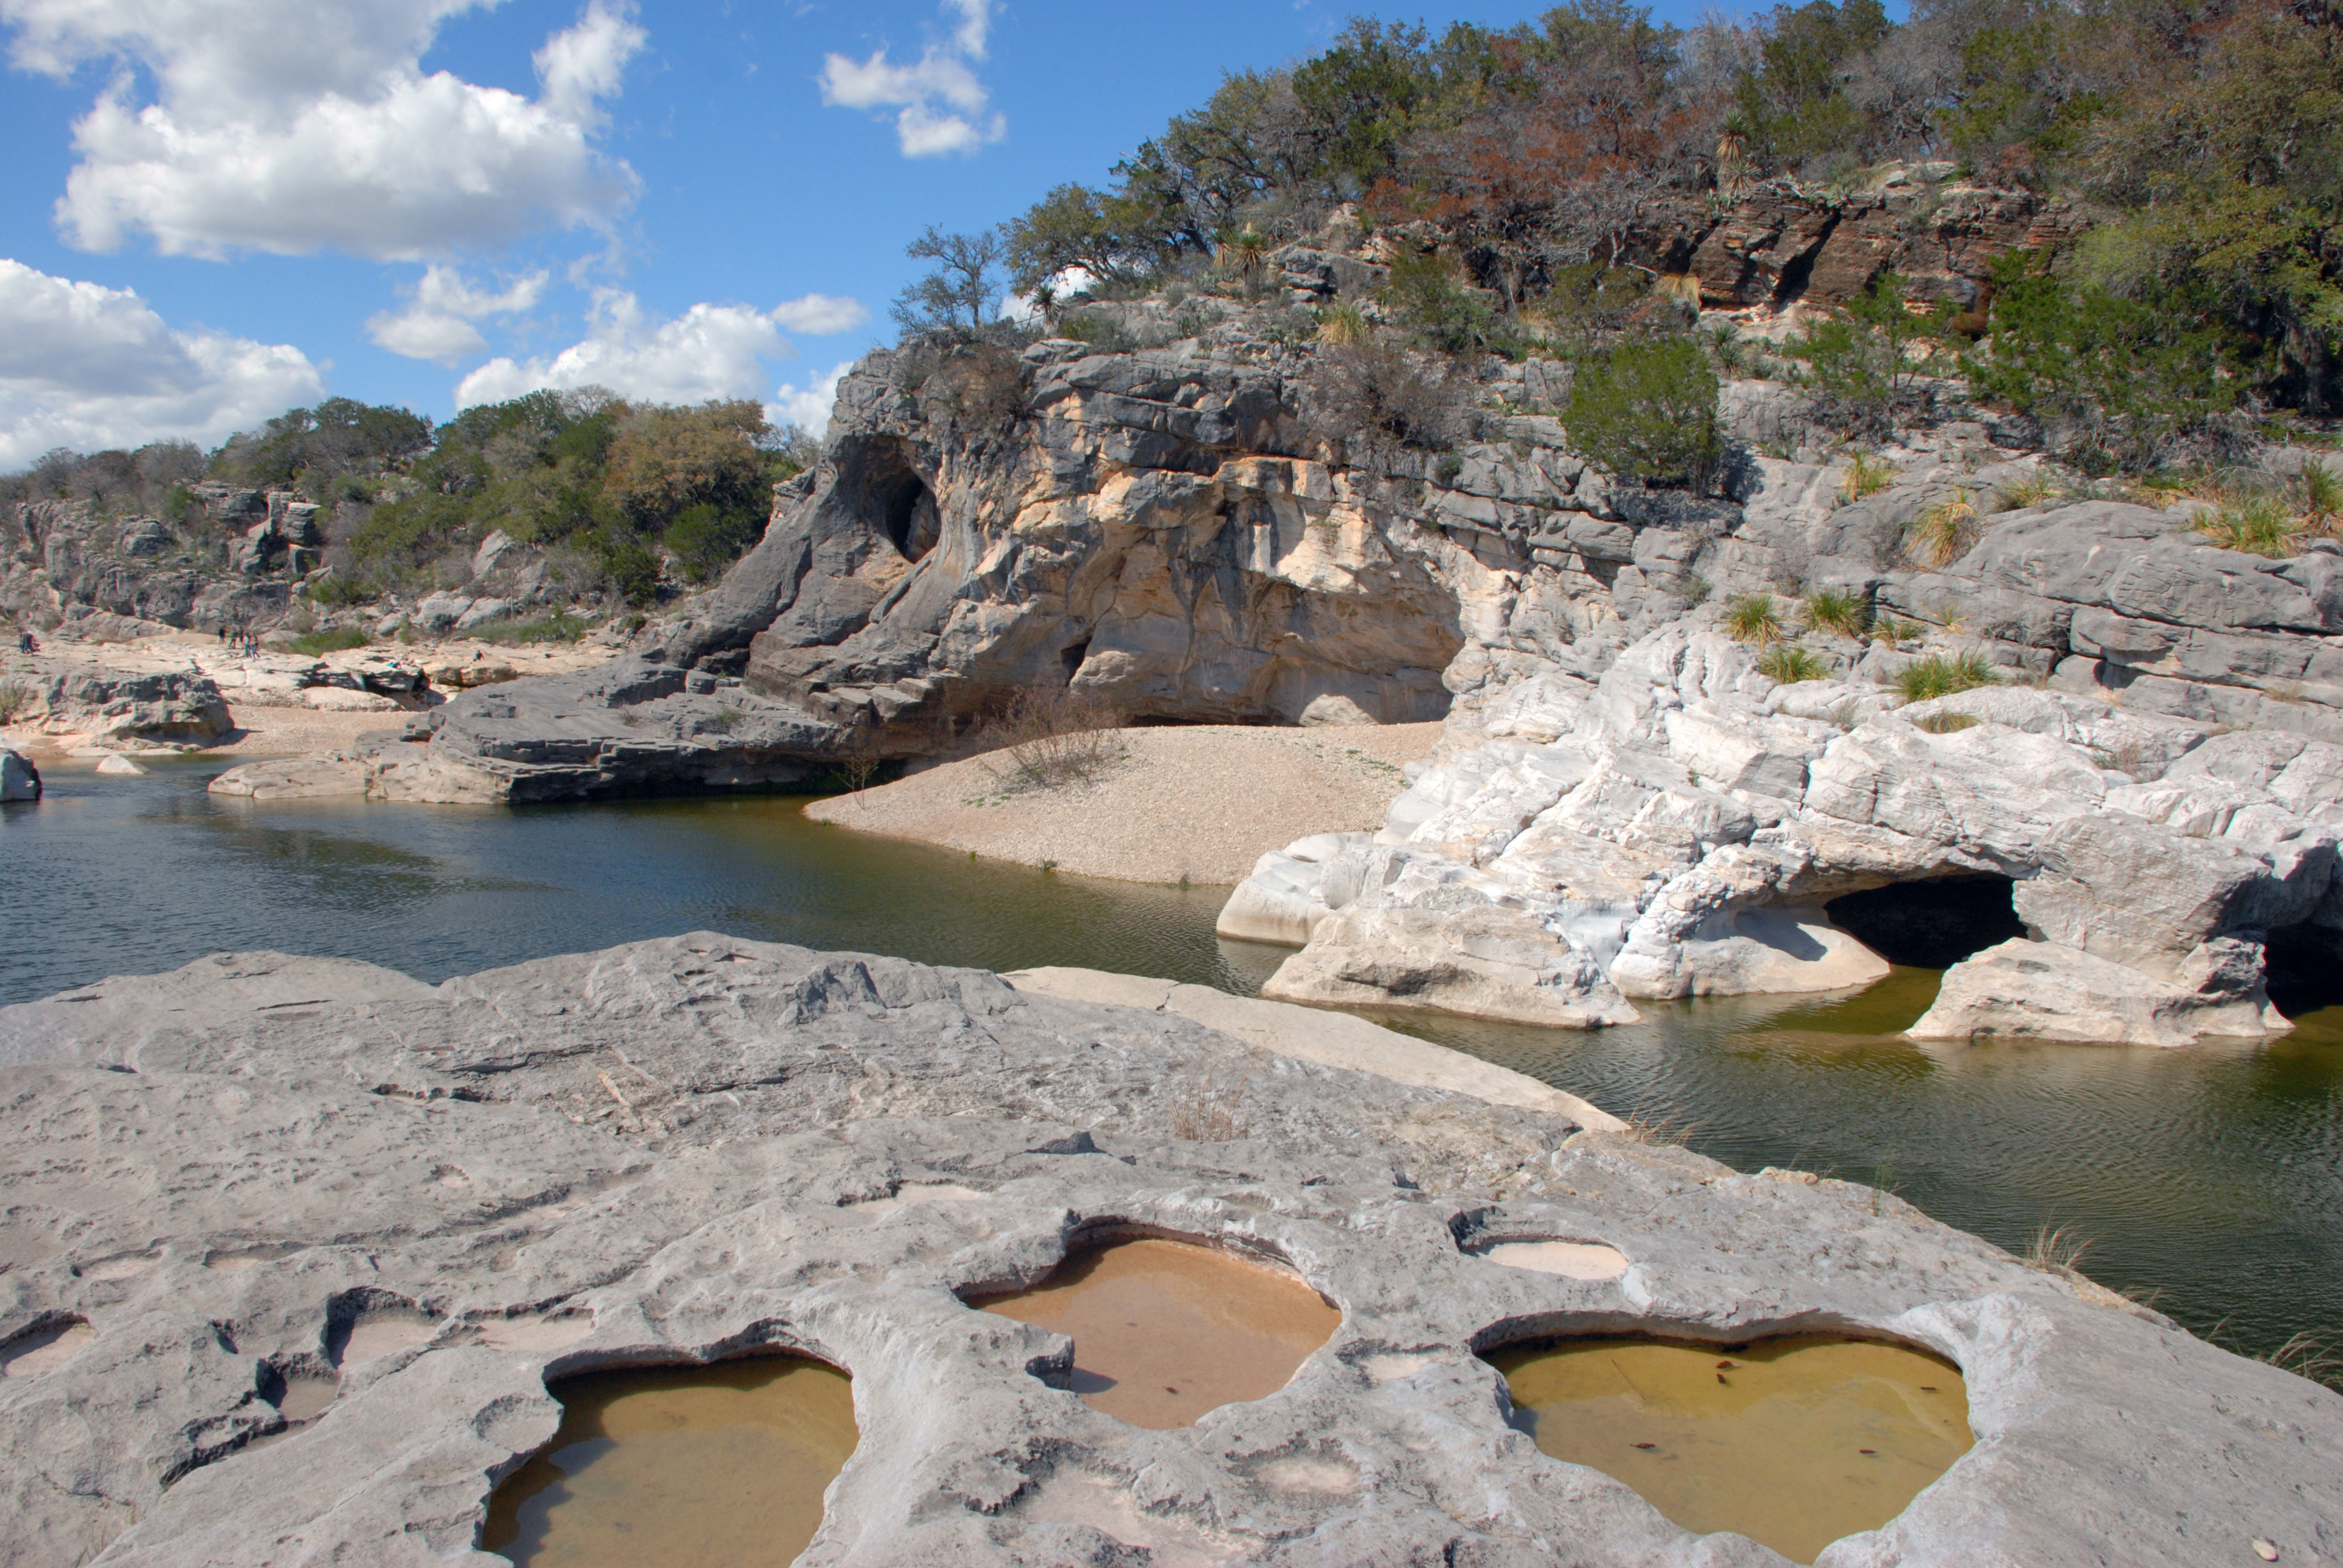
x=680, y=1465
x=1165, y=1331
x=1793, y=1442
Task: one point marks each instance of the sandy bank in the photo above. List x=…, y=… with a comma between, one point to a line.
x=1200, y=801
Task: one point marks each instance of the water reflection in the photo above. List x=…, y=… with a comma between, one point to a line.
x=2211, y=1178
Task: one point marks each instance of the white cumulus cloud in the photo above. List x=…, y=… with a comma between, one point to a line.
x=809, y=406
x=708, y=351
x=299, y=126
x=939, y=102
x=437, y=321
x=90, y=367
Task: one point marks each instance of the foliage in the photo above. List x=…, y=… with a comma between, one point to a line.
x=589, y=467
x=1859, y=362
x=1753, y=618
x=1101, y=233
x=334, y=589
x=309, y=447
x=1938, y=676
x=555, y=628
x=314, y=643
x=154, y=478
x=1374, y=399
x=1424, y=292
x=2118, y=382
x=1648, y=410
x=1835, y=609
x=1792, y=101
x=961, y=296
x=16, y=700
x=1046, y=735
x=1789, y=663
x=2258, y=525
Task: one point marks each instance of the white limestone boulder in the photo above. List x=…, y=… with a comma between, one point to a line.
x=2044, y=990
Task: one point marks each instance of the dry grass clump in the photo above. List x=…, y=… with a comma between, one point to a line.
x=1789, y=663
x=1945, y=723
x=1206, y=1105
x=1049, y=736
x=1937, y=676
x=1945, y=532
x=2246, y=512
x=1754, y=618
x=1835, y=609
x=16, y=700
x=1865, y=476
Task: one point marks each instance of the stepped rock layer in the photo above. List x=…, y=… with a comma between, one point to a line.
x=259, y=1173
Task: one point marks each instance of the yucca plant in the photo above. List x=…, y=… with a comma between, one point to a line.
x=1789, y=663
x=1937, y=676
x=1835, y=609
x=1243, y=252
x=1754, y=618
x=1944, y=532
x=1864, y=478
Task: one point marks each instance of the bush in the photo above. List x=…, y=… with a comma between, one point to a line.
x=1753, y=618
x=560, y=627
x=1788, y=663
x=627, y=563
x=1833, y=610
x=1053, y=736
x=1864, y=478
x=1370, y=400
x=705, y=539
x=1647, y=411
x=2257, y=525
x=316, y=642
x=16, y=700
x=336, y=590
x=1859, y=362
x=1937, y=676
x=1945, y=723
x=1424, y=292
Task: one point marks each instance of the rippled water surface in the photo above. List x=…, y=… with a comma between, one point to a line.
x=2208, y=1179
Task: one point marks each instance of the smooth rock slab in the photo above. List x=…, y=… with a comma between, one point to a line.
x=676, y=1145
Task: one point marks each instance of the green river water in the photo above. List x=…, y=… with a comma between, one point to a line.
x=2209, y=1180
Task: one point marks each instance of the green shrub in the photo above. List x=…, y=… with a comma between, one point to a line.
x=1937, y=676
x=1834, y=610
x=1788, y=663
x=628, y=562
x=2257, y=525
x=705, y=539
x=1424, y=292
x=1753, y=618
x=1859, y=362
x=338, y=590
x=1102, y=333
x=560, y=627
x=1648, y=410
x=16, y=700
x=316, y=642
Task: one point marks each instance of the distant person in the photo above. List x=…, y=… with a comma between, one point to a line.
x=25, y=643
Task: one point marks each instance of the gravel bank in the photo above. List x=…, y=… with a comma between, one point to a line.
x=1198, y=802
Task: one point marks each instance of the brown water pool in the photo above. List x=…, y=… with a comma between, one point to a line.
x=1164, y=1331
x=1792, y=1441
x=720, y=1466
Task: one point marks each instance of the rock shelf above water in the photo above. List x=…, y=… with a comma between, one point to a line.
x=684, y=1149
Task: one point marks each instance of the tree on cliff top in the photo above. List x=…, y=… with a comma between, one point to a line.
x=961, y=296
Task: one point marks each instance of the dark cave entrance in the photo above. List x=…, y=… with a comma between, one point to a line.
x=878, y=483
x=1931, y=924
x=2303, y=968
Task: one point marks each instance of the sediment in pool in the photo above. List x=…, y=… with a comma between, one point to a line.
x=1794, y=1442
x=1165, y=1331
x=680, y=1465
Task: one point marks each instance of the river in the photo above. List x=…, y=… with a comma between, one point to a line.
x=2208, y=1181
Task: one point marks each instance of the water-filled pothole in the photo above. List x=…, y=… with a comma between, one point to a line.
x=1793, y=1442
x=680, y=1465
x=1164, y=1331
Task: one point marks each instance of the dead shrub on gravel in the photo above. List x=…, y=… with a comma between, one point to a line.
x=1205, y=1105
x=1048, y=736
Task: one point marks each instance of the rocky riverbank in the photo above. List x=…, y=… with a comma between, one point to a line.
x=426, y=1200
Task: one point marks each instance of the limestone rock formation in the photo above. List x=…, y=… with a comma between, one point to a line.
x=112, y=708
x=19, y=779
x=1678, y=827
x=693, y=1148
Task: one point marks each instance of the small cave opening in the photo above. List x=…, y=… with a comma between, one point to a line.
x=2303, y=968
x=1072, y=655
x=878, y=483
x=908, y=512
x=1931, y=924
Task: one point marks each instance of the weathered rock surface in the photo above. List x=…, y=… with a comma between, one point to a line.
x=2042, y=990
x=111, y=708
x=687, y=1149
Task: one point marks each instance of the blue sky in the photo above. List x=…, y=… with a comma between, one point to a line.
x=214, y=209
